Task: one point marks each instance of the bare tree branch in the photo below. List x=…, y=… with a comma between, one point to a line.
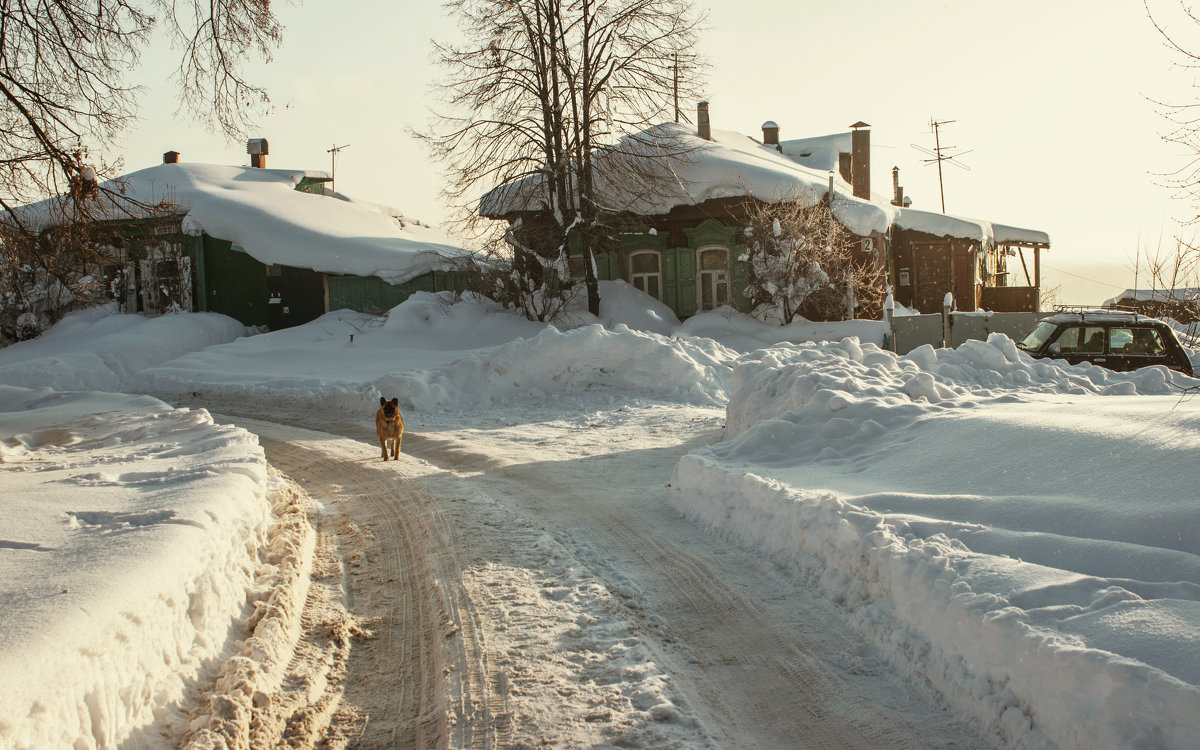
x=64, y=95
x=538, y=101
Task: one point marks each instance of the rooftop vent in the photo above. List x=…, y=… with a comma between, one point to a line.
x=258, y=150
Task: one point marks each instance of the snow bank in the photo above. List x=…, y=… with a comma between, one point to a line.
x=1014, y=530
x=129, y=547
x=554, y=364
x=622, y=304
x=743, y=333
x=434, y=351
x=98, y=349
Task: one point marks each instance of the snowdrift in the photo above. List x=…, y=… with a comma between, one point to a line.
x=555, y=364
x=99, y=350
x=130, y=548
x=437, y=352
x=1031, y=554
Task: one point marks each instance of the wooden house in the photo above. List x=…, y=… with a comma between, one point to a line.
x=683, y=243
x=268, y=247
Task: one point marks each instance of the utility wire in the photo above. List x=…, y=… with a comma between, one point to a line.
x=1085, y=278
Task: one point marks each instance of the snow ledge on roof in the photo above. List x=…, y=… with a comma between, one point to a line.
x=261, y=211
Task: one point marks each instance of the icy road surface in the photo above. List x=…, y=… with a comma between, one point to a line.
x=528, y=585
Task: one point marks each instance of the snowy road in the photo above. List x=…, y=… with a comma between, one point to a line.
x=528, y=584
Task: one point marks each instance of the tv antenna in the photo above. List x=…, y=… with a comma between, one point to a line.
x=333, y=152
x=675, y=79
x=940, y=154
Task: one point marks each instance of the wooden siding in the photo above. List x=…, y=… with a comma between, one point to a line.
x=371, y=294
x=236, y=284
x=1009, y=299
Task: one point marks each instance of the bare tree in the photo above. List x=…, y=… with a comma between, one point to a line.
x=801, y=261
x=1184, y=117
x=64, y=94
x=544, y=100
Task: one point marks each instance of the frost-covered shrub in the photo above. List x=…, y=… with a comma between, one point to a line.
x=801, y=262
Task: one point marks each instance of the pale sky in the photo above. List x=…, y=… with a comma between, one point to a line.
x=1051, y=98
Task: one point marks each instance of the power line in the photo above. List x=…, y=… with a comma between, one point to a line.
x=1085, y=278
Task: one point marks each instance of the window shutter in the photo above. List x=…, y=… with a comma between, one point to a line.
x=606, y=266
x=685, y=262
x=739, y=272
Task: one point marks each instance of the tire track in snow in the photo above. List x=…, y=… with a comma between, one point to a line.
x=404, y=583
x=783, y=686
x=720, y=620
x=757, y=675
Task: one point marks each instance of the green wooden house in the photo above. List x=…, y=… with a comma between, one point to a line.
x=683, y=242
x=256, y=245
x=687, y=267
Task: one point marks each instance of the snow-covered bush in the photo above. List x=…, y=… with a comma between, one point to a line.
x=801, y=260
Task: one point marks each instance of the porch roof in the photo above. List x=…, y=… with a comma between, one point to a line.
x=985, y=232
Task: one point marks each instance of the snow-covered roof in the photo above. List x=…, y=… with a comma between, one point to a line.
x=731, y=165
x=1182, y=294
x=261, y=211
x=985, y=232
x=822, y=152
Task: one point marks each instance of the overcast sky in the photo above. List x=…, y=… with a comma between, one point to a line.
x=1052, y=98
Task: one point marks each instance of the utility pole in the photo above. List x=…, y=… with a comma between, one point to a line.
x=939, y=156
x=333, y=152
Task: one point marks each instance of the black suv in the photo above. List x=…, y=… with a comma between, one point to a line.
x=1117, y=340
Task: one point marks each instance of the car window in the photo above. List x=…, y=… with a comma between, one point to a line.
x=1119, y=337
x=1137, y=341
x=1038, y=336
x=1068, y=340
x=1081, y=340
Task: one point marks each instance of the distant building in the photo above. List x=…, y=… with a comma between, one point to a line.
x=1181, y=304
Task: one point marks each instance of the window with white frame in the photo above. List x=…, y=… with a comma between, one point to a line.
x=712, y=270
x=645, y=272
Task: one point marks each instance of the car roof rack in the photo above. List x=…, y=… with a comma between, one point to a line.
x=1083, y=310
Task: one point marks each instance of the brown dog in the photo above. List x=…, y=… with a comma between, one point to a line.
x=389, y=426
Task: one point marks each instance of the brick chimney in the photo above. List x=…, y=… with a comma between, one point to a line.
x=860, y=160
x=258, y=150
x=703, y=129
x=171, y=157
x=770, y=133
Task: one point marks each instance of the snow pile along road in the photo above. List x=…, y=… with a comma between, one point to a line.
x=1017, y=531
x=437, y=353
x=553, y=364
x=130, y=549
x=97, y=350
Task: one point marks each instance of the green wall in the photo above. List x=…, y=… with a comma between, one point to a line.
x=234, y=283
x=371, y=294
